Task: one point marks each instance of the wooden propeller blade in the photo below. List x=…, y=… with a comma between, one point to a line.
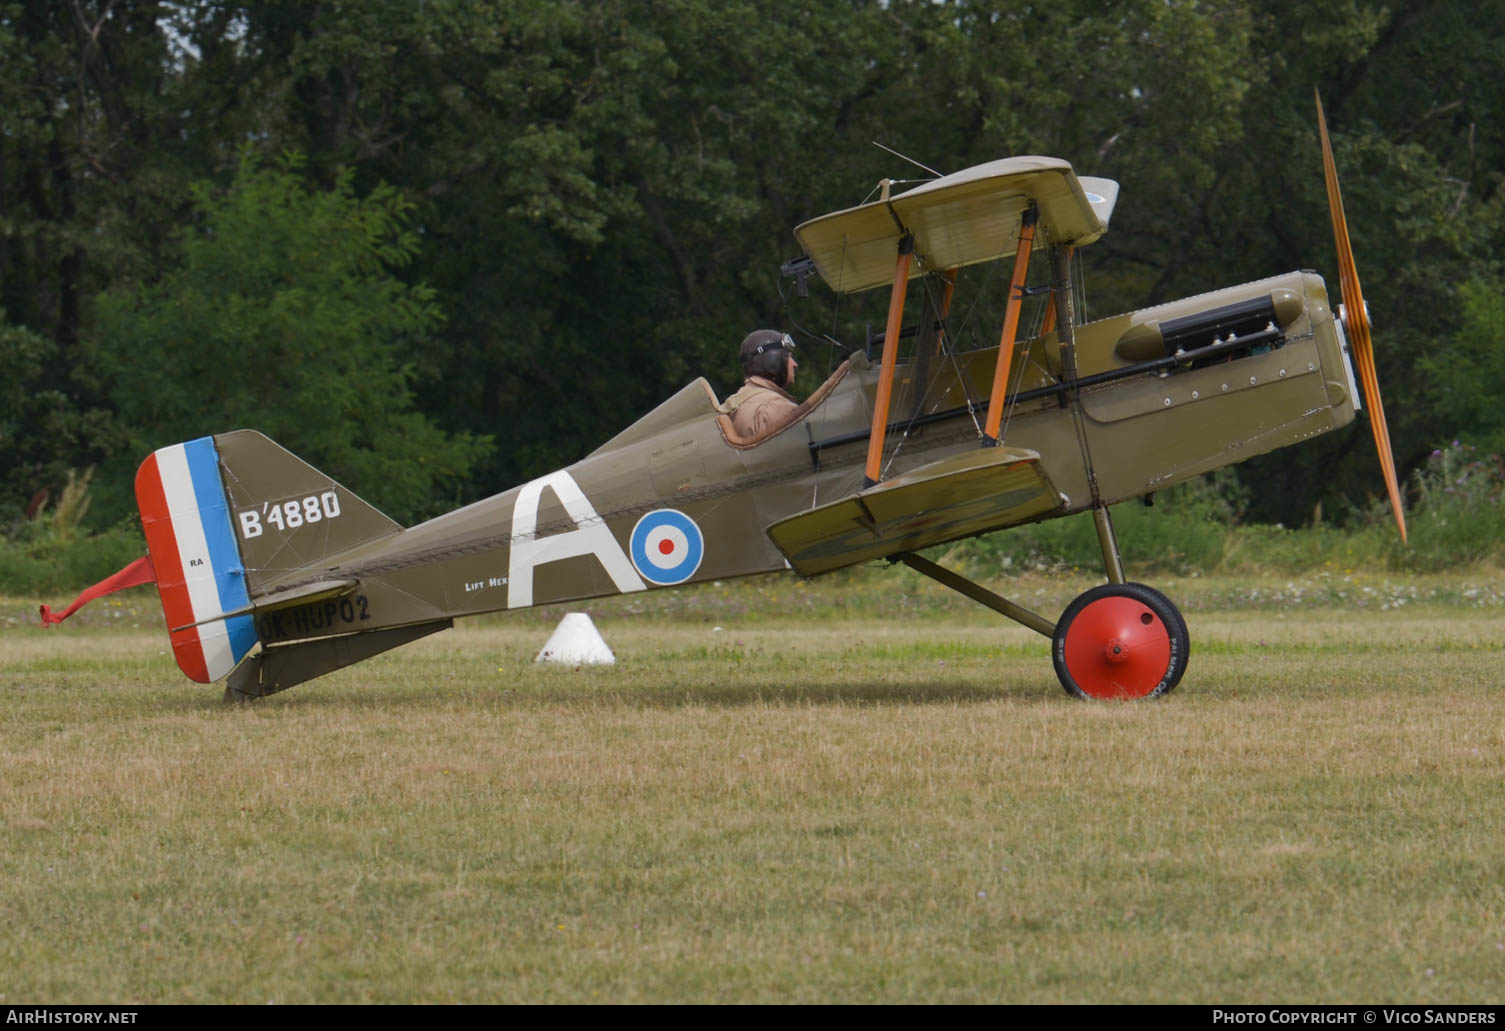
x=1357, y=319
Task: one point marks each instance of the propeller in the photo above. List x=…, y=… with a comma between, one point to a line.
x=1356, y=317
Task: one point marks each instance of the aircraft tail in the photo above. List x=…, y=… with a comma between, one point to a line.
x=230, y=521
x=192, y=544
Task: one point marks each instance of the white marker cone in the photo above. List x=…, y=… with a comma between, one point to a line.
x=576, y=641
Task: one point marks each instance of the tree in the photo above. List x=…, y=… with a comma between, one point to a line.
x=90, y=147
x=1404, y=86
x=39, y=424
x=1468, y=377
x=282, y=313
x=605, y=190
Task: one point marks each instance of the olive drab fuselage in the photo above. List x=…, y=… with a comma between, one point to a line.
x=570, y=535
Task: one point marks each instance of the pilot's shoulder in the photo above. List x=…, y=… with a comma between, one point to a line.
x=755, y=391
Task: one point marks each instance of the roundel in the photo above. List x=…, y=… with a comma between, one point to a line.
x=667, y=546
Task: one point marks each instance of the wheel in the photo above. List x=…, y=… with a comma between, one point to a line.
x=1123, y=641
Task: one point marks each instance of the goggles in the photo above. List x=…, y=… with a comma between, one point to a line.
x=785, y=342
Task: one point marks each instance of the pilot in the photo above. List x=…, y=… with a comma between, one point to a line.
x=763, y=401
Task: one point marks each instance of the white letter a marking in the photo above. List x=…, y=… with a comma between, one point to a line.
x=590, y=537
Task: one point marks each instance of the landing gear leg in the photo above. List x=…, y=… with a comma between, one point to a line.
x=1107, y=539
x=1121, y=640
x=1018, y=613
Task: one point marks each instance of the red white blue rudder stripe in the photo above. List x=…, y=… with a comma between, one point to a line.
x=186, y=517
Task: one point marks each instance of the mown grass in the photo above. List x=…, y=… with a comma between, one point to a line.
x=857, y=790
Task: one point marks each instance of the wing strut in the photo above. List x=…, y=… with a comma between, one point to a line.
x=942, y=341
x=1010, y=324
x=1107, y=538
x=1049, y=322
x=890, y=360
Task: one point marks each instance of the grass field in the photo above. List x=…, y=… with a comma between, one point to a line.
x=859, y=790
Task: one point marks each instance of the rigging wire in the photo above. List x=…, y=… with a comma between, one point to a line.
x=1032, y=362
x=1079, y=294
x=930, y=304
x=911, y=160
x=927, y=286
x=949, y=350
x=949, y=340
x=982, y=292
x=824, y=338
x=840, y=281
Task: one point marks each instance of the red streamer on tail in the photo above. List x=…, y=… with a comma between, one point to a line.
x=134, y=575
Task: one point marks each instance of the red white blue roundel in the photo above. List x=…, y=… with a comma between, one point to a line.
x=667, y=547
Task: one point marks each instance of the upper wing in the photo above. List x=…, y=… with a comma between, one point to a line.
x=960, y=496
x=960, y=219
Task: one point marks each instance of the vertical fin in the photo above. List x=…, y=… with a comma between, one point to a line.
x=288, y=516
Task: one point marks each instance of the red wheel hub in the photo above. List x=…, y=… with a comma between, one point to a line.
x=1117, y=648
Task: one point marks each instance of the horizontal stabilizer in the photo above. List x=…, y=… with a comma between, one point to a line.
x=280, y=667
x=957, y=497
x=316, y=591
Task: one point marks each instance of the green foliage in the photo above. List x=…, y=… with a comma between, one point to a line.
x=1457, y=521
x=22, y=354
x=1468, y=377
x=1265, y=547
x=40, y=562
x=72, y=505
x=47, y=554
x=604, y=193
x=1187, y=529
x=41, y=425
x=283, y=314
x=90, y=146
x=1458, y=518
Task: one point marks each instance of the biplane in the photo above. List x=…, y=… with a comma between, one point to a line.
x=271, y=573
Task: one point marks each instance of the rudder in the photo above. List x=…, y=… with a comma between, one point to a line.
x=186, y=518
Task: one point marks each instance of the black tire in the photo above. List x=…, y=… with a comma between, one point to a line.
x=1120, y=641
